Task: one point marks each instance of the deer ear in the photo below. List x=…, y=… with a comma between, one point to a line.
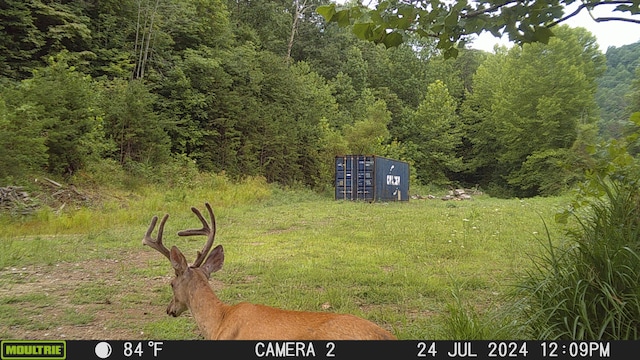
x=214, y=261
x=178, y=261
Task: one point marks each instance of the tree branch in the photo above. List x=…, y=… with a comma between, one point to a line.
x=603, y=19
x=487, y=10
x=591, y=5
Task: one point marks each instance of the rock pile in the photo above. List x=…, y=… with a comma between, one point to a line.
x=455, y=194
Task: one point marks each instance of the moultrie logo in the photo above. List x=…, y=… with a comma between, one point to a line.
x=33, y=349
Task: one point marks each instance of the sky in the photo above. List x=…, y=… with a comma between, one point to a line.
x=608, y=33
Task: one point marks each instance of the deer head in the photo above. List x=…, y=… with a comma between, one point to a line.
x=187, y=277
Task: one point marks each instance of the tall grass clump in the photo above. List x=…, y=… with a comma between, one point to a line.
x=464, y=321
x=588, y=286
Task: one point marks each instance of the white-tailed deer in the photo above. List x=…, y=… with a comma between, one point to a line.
x=244, y=321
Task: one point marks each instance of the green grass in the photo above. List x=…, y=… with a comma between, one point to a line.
x=30, y=305
x=172, y=329
x=589, y=286
x=407, y=266
x=98, y=292
x=73, y=317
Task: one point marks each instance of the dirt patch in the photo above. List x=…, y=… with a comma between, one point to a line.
x=88, y=300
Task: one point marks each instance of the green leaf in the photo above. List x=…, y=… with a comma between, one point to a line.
x=451, y=53
x=556, y=12
x=451, y=20
x=379, y=32
x=375, y=16
x=392, y=40
x=342, y=18
x=542, y=34
x=326, y=11
x=475, y=26
x=632, y=9
x=495, y=30
x=459, y=5
x=407, y=11
x=330, y=14
x=363, y=31
x=444, y=42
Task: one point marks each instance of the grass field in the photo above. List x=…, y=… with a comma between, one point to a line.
x=415, y=268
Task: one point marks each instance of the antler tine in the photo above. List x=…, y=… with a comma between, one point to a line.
x=156, y=243
x=205, y=230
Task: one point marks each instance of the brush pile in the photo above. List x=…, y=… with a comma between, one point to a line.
x=14, y=200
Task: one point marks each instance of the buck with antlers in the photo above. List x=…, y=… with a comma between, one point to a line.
x=244, y=321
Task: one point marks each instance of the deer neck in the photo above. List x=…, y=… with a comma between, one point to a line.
x=206, y=308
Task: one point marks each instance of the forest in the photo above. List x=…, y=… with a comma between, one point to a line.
x=156, y=89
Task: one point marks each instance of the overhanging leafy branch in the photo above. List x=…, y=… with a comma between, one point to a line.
x=451, y=23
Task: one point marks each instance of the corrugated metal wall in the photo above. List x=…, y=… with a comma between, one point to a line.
x=371, y=178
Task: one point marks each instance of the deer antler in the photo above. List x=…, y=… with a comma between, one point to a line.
x=157, y=243
x=209, y=231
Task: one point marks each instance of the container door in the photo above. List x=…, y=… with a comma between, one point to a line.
x=365, y=175
x=355, y=177
x=392, y=180
x=344, y=178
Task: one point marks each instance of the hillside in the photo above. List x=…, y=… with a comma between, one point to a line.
x=613, y=87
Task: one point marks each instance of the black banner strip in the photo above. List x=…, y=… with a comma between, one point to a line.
x=335, y=350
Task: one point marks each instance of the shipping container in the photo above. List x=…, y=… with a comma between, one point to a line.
x=371, y=178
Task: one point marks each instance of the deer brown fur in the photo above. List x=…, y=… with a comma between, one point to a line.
x=244, y=321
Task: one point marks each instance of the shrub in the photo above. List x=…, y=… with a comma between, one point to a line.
x=589, y=286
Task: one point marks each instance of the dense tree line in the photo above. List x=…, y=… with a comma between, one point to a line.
x=268, y=88
x=614, y=88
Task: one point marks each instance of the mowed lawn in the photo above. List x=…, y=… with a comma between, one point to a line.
x=400, y=265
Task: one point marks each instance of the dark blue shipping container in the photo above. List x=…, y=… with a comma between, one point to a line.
x=371, y=178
